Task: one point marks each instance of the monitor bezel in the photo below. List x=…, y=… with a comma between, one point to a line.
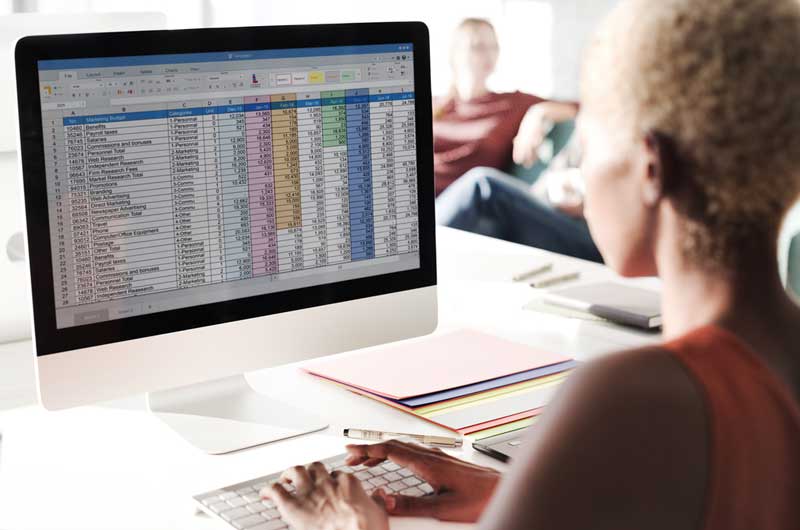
x=48, y=338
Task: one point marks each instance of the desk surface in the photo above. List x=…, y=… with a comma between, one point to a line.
x=113, y=466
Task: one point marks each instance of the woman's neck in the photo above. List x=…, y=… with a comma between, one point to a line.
x=747, y=295
x=469, y=89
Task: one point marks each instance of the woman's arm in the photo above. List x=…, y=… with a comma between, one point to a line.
x=624, y=446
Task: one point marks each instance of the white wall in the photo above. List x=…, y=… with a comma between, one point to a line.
x=573, y=23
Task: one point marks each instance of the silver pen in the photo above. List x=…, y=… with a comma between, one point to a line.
x=381, y=436
x=533, y=272
x=553, y=280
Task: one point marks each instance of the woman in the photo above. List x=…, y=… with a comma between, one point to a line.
x=473, y=126
x=690, y=125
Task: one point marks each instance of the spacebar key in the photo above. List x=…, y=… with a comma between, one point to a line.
x=275, y=524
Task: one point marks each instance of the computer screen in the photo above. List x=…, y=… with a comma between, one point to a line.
x=187, y=179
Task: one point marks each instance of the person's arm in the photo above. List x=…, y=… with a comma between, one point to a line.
x=534, y=126
x=623, y=447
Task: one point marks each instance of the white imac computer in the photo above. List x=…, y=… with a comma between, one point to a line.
x=204, y=203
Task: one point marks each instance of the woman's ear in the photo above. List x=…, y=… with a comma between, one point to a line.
x=661, y=162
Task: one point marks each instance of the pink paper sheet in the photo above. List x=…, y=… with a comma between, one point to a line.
x=433, y=364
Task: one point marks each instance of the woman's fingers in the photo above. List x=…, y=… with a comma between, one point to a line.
x=424, y=462
x=317, y=472
x=404, y=505
x=283, y=499
x=299, y=477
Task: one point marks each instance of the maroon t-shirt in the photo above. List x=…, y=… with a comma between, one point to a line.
x=478, y=132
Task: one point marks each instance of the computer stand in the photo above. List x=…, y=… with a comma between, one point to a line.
x=227, y=415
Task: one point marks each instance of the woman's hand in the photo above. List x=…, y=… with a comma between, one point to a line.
x=461, y=490
x=565, y=191
x=535, y=126
x=532, y=131
x=326, y=501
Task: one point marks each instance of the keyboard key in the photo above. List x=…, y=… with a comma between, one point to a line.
x=260, y=486
x=377, y=482
x=244, y=491
x=220, y=506
x=275, y=524
x=210, y=498
x=247, y=522
x=363, y=475
x=397, y=486
x=377, y=471
x=256, y=507
x=235, y=502
x=252, y=497
x=405, y=472
x=235, y=513
x=412, y=481
x=268, y=503
x=390, y=466
x=272, y=513
x=392, y=476
x=227, y=495
x=412, y=492
x=426, y=488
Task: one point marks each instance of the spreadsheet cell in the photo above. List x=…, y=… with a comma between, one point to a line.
x=156, y=197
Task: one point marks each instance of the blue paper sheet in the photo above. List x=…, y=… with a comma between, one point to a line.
x=490, y=384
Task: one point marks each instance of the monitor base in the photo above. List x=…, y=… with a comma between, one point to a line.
x=227, y=415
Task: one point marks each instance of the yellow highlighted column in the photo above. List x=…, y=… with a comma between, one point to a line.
x=286, y=162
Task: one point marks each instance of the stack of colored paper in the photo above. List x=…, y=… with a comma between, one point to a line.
x=465, y=381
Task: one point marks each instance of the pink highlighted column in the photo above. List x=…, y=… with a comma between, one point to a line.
x=264, y=234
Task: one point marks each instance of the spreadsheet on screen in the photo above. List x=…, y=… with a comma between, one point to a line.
x=187, y=179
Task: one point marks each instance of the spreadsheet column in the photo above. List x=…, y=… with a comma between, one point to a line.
x=132, y=203
x=262, y=185
x=79, y=210
x=362, y=234
x=381, y=111
x=405, y=168
x=58, y=189
x=235, y=200
x=214, y=197
x=312, y=179
x=337, y=193
x=287, y=182
x=189, y=196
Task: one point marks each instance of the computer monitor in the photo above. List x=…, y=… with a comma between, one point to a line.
x=203, y=203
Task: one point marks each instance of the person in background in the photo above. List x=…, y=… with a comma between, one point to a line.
x=473, y=126
x=690, y=127
x=477, y=134
x=547, y=215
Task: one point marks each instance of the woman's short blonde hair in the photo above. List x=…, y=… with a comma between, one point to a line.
x=720, y=79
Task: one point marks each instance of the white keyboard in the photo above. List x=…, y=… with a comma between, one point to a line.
x=240, y=506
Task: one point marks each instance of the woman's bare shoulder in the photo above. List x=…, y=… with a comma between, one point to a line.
x=626, y=438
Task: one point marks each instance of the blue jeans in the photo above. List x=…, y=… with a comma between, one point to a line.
x=489, y=202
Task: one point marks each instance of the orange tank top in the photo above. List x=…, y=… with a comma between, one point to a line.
x=754, y=434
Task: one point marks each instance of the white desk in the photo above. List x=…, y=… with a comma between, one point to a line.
x=114, y=466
